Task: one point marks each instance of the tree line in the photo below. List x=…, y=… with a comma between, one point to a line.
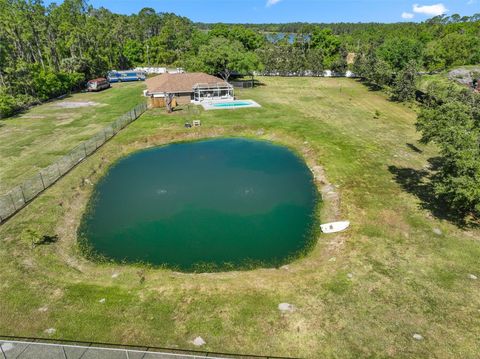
x=47, y=51
x=344, y=27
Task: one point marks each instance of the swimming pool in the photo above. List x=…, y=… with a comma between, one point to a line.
x=229, y=104
x=233, y=104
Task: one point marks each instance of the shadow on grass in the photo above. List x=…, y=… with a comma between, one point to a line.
x=258, y=83
x=371, y=86
x=248, y=80
x=418, y=183
x=414, y=148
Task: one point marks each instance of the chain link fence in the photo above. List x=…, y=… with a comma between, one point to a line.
x=18, y=197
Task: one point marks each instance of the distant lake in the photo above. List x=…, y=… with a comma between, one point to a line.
x=277, y=36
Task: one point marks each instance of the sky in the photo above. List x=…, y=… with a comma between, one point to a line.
x=281, y=11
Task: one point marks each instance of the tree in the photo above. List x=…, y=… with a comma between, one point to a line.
x=454, y=126
x=314, y=61
x=404, y=87
x=340, y=65
x=148, y=22
x=399, y=51
x=372, y=69
x=328, y=43
x=222, y=57
x=133, y=52
x=250, y=39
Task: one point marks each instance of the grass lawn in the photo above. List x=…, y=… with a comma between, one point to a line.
x=399, y=270
x=36, y=138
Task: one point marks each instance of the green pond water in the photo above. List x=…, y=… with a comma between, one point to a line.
x=221, y=204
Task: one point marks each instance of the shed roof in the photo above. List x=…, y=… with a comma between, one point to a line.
x=181, y=82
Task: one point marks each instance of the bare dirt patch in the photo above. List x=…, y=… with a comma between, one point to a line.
x=77, y=104
x=32, y=117
x=66, y=118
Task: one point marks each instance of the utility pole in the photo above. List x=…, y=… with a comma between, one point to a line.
x=148, y=58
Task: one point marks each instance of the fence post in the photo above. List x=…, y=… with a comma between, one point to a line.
x=72, y=162
x=23, y=194
x=60, y=174
x=13, y=203
x=41, y=179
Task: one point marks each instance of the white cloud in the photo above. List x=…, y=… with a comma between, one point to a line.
x=471, y=2
x=407, y=15
x=431, y=10
x=272, y=2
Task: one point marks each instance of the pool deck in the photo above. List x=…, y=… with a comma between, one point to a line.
x=224, y=105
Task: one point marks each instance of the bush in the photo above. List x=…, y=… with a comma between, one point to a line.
x=49, y=84
x=9, y=104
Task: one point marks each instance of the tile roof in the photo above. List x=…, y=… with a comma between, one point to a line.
x=182, y=82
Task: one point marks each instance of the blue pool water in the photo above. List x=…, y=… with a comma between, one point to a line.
x=232, y=104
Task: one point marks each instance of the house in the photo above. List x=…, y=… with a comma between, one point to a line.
x=187, y=88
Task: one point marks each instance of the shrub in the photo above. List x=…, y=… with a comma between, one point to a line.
x=9, y=104
x=49, y=84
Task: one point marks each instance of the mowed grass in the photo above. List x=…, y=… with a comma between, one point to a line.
x=35, y=139
x=398, y=270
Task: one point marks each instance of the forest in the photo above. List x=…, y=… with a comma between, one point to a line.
x=48, y=51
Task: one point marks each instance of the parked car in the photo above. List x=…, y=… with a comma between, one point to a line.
x=98, y=84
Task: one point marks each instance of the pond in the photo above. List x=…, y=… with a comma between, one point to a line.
x=211, y=205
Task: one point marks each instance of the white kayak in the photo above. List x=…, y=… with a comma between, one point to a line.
x=334, y=227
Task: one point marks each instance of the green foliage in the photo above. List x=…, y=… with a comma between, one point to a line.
x=314, y=61
x=374, y=70
x=400, y=51
x=250, y=39
x=8, y=105
x=452, y=121
x=223, y=56
x=133, y=52
x=328, y=43
x=48, y=84
x=405, y=86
